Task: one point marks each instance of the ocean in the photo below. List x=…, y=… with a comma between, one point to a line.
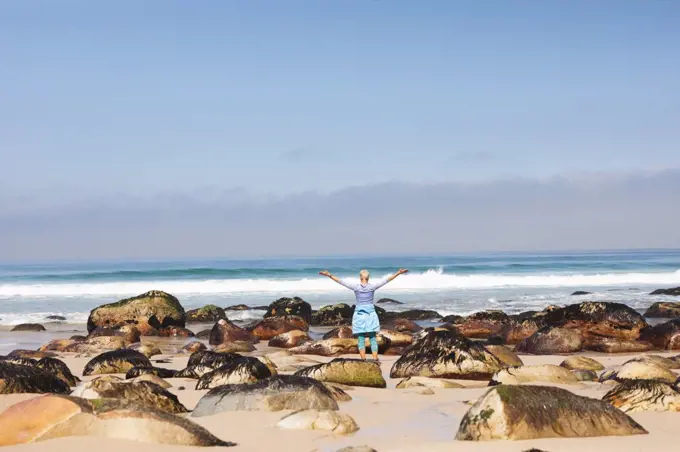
x=460, y=284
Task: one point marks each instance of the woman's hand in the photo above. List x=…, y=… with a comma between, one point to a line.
x=402, y=271
x=325, y=273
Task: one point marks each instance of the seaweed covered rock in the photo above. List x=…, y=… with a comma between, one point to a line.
x=270, y=327
x=115, y=362
x=446, y=354
x=209, y=313
x=668, y=363
x=19, y=379
x=290, y=306
x=157, y=371
x=549, y=340
x=510, y=412
x=545, y=373
x=244, y=369
x=675, y=292
x=19, y=360
x=31, y=354
x=612, y=345
x=334, y=315
x=332, y=421
x=225, y=331
x=351, y=372
x=31, y=327
x=665, y=336
x=342, y=332
x=290, y=339
x=581, y=363
x=663, y=309
x=211, y=358
x=338, y=391
x=633, y=396
x=52, y=416
x=283, y=392
x=598, y=319
x=147, y=350
x=505, y=355
x=482, y=325
x=639, y=370
x=155, y=309
x=59, y=369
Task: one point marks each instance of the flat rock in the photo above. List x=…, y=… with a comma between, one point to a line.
x=32, y=354
x=352, y=372
x=544, y=373
x=327, y=347
x=388, y=301
x=283, y=392
x=416, y=314
x=332, y=421
x=668, y=363
x=342, y=332
x=428, y=382
x=29, y=327
x=339, y=391
x=397, y=338
x=550, y=340
x=675, y=291
x=633, y=396
x=585, y=375
x=613, y=345
x=511, y=412
x=581, y=363
x=115, y=362
x=402, y=325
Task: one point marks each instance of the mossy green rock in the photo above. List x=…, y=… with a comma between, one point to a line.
x=154, y=309
x=530, y=412
x=351, y=372
x=208, y=313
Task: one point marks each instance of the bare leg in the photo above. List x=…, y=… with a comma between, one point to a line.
x=361, y=345
x=374, y=346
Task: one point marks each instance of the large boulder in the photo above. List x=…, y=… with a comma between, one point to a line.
x=96, y=345
x=290, y=339
x=598, y=319
x=155, y=309
x=142, y=395
x=521, y=326
x=665, y=336
x=549, y=340
x=332, y=421
x=283, y=392
x=30, y=327
x=640, y=370
x=544, y=373
x=351, y=372
x=225, y=331
x=290, y=306
x=207, y=314
x=244, y=369
x=505, y=355
x=402, y=325
x=446, y=354
x=52, y=416
x=511, y=412
x=581, y=363
x=18, y=379
x=663, y=309
x=115, y=362
x=270, y=327
x=59, y=369
x=632, y=396
x=482, y=324
x=675, y=291
x=334, y=315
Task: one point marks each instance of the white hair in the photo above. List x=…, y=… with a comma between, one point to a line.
x=364, y=274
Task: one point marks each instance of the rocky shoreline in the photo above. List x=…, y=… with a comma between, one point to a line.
x=523, y=372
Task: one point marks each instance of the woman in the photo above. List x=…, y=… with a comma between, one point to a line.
x=365, y=320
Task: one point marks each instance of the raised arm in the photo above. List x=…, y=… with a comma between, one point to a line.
x=336, y=279
x=384, y=281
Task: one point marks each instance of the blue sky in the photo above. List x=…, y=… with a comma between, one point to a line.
x=123, y=102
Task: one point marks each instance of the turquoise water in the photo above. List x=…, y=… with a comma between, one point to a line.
x=450, y=284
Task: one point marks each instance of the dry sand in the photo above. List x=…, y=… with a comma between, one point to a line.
x=390, y=420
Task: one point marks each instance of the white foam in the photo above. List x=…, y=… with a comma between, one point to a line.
x=430, y=280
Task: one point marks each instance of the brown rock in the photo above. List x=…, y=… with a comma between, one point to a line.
x=31, y=354
x=115, y=362
x=548, y=341
x=581, y=363
x=665, y=336
x=339, y=314
x=482, y=324
x=402, y=325
x=175, y=331
x=663, y=309
x=611, y=345
x=234, y=347
x=33, y=327
x=598, y=319
x=147, y=350
x=505, y=355
x=396, y=338
x=290, y=339
x=194, y=346
x=633, y=396
x=545, y=373
x=273, y=326
x=343, y=332
x=225, y=331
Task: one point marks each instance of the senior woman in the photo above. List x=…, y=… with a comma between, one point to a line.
x=365, y=321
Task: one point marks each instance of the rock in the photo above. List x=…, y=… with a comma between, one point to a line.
x=34, y=327
x=338, y=391
x=234, y=347
x=59, y=369
x=203, y=334
x=549, y=340
x=598, y=319
x=273, y=326
x=115, y=362
x=452, y=318
x=194, y=372
x=637, y=370
x=331, y=421
x=610, y=345
x=419, y=390
x=31, y=354
x=158, y=371
x=351, y=372
x=327, y=347
x=505, y=355
x=581, y=363
x=56, y=318
x=97, y=345
x=21, y=361
x=388, y=301
x=483, y=324
x=396, y=338
x=175, y=331
x=209, y=313
x=445, y=354
x=194, y=346
x=633, y=396
x=584, y=375
x=520, y=327
x=339, y=314
x=580, y=292
x=244, y=307
x=546, y=373
x=51, y=416
x=143, y=394
x=128, y=333
x=663, y=309
x=244, y=369
x=668, y=363
x=409, y=382
x=147, y=350
x=225, y=331
x=665, y=336
x=672, y=292
x=283, y=392
x=19, y=379
x=289, y=339
x=402, y=325
x=58, y=345
x=343, y=332
x=290, y=306
x=531, y=412
x=211, y=358
x=416, y=314
x=154, y=309
x=152, y=379
x=356, y=449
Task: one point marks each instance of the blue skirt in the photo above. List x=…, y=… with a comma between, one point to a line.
x=365, y=319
